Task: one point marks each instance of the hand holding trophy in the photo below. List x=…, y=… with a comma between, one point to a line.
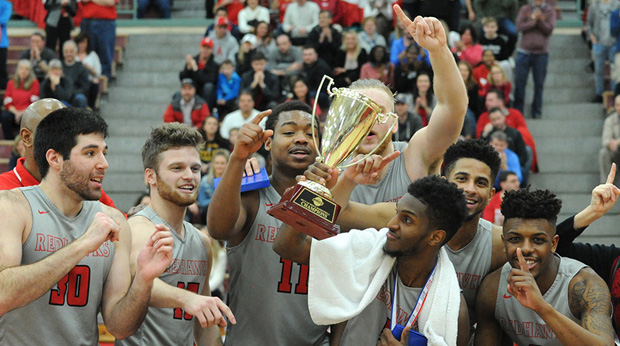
x=351, y=116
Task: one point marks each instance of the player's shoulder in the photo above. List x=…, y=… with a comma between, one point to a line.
x=113, y=213
x=13, y=199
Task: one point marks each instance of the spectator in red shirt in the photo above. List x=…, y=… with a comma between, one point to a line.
x=188, y=109
x=508, y=181
x=99, y=22
x=21, y=91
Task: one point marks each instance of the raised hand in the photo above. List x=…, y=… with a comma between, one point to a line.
x=604, y=196
x=366, y=172
x=251, y=137
x=427, y=31
x=156, y=255
x=522, y=285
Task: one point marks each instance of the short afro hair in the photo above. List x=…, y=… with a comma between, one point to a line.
x=526, y=204
x=446, y=207
x=476, y=149
x=294, y=105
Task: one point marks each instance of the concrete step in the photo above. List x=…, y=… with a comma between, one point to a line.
x=564, y=80
x=128, y=112
x=178, y=41
x=570, y=110
x=573, y=182
x=145, y=64
x=124, y=160
x=573, y=128
x=575, y=202
x=157, y=50
x=144, y=94
x=569, y=94
x=551, y=162
x=140, y=79
x=588, y=145
x=127, y=146
x=128, y=181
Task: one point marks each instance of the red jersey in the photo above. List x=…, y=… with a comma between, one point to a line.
x=90, y=10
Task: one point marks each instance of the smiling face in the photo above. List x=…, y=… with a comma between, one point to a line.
x=210, y=126
x=474, y=177
x=300, y=89
x=219, y=165
x=537, y=240
x=85, y=168
x=423, y=83
x=408, y=228
x=350, y=41
x=386, y=102
x=177, y=177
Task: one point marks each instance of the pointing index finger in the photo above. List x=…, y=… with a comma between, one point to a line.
x=522, y=263
x=612, y=174
x=402, y=16
x=260, y=116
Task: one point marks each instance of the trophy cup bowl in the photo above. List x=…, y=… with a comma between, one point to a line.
x=309, y=206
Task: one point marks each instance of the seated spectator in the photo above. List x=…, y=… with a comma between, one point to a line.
x=39, y=55
x=243, y=58
x=225, y=45
x=236, y=119
x=481, y=72
x=263, y=84
x=213, y=141
x=90, y=60
x=406, y=73
x=188, y=109
x=508, y=181
x=301, y=93
x=203, y=69
x=505, y=13
x=285, y=62
x=314, y=69
x=408, y=122
x=326, y=39
x=468, y=48
x=228, y=87
x=223, y=12
x=610, y=141
x=497, y=80
x=250, y=15
x=265, y=43
x=232, y=7
x=59, y=22
x=382, y=12
x=281, y=6
x=232, y=136
x=161, y=6
x=510, y=160
x=378, y=67
x=21, y=90
x=216, y=170
x=498, y=44
x=349, y=60
x=473, y=106
x=74, y=70
x=300, y=18
x=335, y=9
x=369, y=38
x=57, y=86
x=515, y=140
x=424, y=100
x=398, y=53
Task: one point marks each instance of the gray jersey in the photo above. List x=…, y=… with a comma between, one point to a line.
x=365, y=328
x=472, y=263
x=67, y=313
x=190, y=261
x=523, y=325
x=268, y=295
x=393, y=185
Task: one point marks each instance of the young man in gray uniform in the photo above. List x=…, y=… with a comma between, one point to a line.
x=64, y=256
x=549, y=300
x=423, y=154
x=268, y=294
x=181, y=310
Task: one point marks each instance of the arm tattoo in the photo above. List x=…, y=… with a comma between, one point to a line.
x=592, y=303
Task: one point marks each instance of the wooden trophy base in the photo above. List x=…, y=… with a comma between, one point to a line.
x=307, y=211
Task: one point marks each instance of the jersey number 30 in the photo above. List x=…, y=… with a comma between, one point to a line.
x=73, y=288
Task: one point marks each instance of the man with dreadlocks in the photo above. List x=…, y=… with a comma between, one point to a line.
x=549, y=300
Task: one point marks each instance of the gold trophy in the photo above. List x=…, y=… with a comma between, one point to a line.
x=309, y=205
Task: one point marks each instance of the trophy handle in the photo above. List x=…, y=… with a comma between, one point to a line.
x=385, y=118
x=316, y=101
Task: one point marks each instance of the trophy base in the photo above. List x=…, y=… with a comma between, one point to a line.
x=307, y=211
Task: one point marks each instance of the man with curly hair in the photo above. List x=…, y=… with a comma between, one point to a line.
x=549, y=300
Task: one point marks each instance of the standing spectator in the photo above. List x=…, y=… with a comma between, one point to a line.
x=508, y=181
x=57, y=86
x=6, y=9
x=408, y=123
x=497, y=80
x=216, y=170
x=74, y=70
x=614, y=27
x=236, y=119
x=261, y=83
x=162, y=7
x=38, y=54
x=536, y=22
x=251, y=15
x=505, y=12
x=610, y=141
x=59, y=22
x=213, y=141
x=99, y=22
x=326, y=39
x=378, y=67
x=498, y=44
x=424, y=100
x=300, y=18
x=265, y=43
x=473, y=105
x=510, y=160
x=349, y=60
x=225, y=45
x=233, y=7
x=369, y=38
x=203, y=69
x=189, y=109
x=285, y=62
x=468, y=48
x=406, y=73
x=90, y=60
x=21, y=91
x=228, y=87
x=243, y=58
x=598, y=22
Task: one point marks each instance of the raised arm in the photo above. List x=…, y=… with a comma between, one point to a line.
x=22, y=284
x=426, y=148
x=125, y=301
x=228, y=212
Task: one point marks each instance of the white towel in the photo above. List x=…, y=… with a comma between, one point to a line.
x=347, y=271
